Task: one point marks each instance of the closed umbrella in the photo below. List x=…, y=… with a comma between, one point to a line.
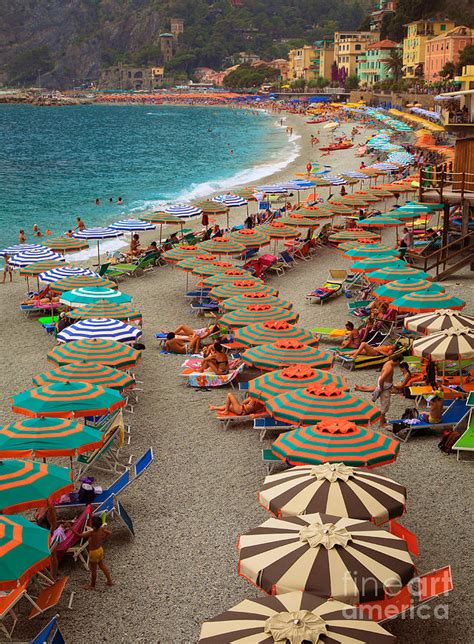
x=343, y=558
x=439, y=321
x=91, y=295
x=317, y=402
x=273, y=383
x=108, y=352
x=424, y=301
x=330, y=488
x=239, y=287
x=132, y=225
x=292, y=617
x=283, y=353
x=26, y=484
x=452, y=344
x=57, y=273
x=33, y=255
x=384, y=275
x=93, y=372
x=81, y=281
x=222, y=246
x=257, y=313
x=105, y=309
x=24, y=551
x=106, y=328
x=97, y=233
x=241, y=301
x=398, y=288
x=250, y=237
x=67, y=400
x=272, y=330
x=48, y=437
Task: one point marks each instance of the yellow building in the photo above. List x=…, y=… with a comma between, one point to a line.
x=414, y=45
x=323, y=59
x=300, y=63
x=348, y=45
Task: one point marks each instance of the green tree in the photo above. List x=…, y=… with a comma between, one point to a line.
x=298, y=83
x=248, y=76
x=29, y=64
x=394, y=64
x=351, y=82
x=466, y=56
x=448, y=71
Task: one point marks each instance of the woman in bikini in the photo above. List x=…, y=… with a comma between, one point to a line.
x=234, y=406
x=217, y=361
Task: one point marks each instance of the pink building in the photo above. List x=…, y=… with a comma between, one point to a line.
x=445, y=48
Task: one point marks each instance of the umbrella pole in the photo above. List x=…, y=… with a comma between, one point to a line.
x=161, y=229
x=98, y=253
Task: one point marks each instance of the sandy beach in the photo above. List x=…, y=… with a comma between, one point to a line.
x=201, y=492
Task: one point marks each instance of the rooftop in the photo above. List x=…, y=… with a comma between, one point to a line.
x=383, y=44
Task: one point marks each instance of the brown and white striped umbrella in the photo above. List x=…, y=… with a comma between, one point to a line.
x=333, y=488
x=455, y=344
x=346, y=559
x=295, y=618
x=439, y=321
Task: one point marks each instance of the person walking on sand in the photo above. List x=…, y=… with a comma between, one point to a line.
x=383, y=391
x=7, y=269
x=96, y=538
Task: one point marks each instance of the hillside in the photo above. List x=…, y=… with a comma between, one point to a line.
x=69, y=40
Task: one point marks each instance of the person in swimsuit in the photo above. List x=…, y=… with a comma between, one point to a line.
x=366, y=349
x=217, y=361
x=7, y=269
x=80, y=224
x=176, y=345
x=234, y=406
x=96, y=538
x=352, y=339
x=21, y=237
x=194, y=336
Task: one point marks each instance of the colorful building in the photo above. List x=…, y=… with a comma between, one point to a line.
x=300, y=63
x=414, y=45
x=445, y=48
x=282, y=66
x=383, y=7
x=349, y=45
x=372, y=64
x=323, y=59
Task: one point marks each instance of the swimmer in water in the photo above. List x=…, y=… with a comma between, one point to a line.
x=120, y=200
x=97, y=202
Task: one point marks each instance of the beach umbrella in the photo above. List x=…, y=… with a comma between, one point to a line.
x=355, y=174
x=336, y=440
x=317, y=402
x=350, y=235
x=246, y=193
x=230, y=200
x=212, y=268
x=183, y=211
x=105, y=309
x=58, y=272
x=272, y=189
x=212, y=208
x=91, y=295
x=299, y=221
x=286, y=352
x=67, y=400
x=313, y=213
x=427, y=301
x=380, y=191
x=108, y=352
x=241, y=301
x=350, y=200
x=41, y=254
x=226, y=277
x=196, y=261
x=343, y=558
x=376, y=250
x=269, y=331
x=383, y=275
x=273, y=383
x=81, y=281
x=258, y=313
x=393, y=290
x=439, y=321
x=163, y=219
x=292, y=617
x=222, y=246
x=380, y=221
x=250, y=237
x=106, y=328
x=177, y=253
x=452, y=344
x=333, y=488
x=404, y=214
x=47, y=437
x=132, y=225
x=24, y=550
x=25, y=484
x=338, y=209
x=66, y=244
x=240, y=287
x=373, y=263
x=93, y=372
x=277, y=230
x=39, y=267
x=19, y=248
x=370, y=197
x=97, y=233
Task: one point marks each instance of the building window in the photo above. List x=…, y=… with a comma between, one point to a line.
x=358, y=47
x=443, y=27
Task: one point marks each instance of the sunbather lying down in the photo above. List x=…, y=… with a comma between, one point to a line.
x=233, y=406
x=366, y=349
x=194, y=336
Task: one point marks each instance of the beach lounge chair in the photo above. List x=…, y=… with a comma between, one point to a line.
x=465, y=442
x=452, y=415
x=105, y=458
x=363, y=362
x=321, y=331
x=132, y=269
x=204, y=306
x=209, y=379
x=270, y=459
x=267, y=424
x=331, y=288
x=8, y=616
x=51, y=633
x=236, y=419
x=73, y=544
x=198, y=293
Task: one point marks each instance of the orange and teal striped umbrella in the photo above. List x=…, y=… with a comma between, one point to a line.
x=250, y=237
x=104, y=309
x=355, y=243
x=336, y=441
x=350, y=235
x=190, y=263
x=24, y=550
x=177, y=253
x=28, y=484
x=93, y=372
x=318, y=402
x=351, y=200
x=209, y=207
x=273, y=330
x=227, y=276
x=41, y=267
x=274, y=383
x=163, y=218
x=67, y=400
x=374, y=263
x=81, y=281
x=383, y=275
x=295, y=219
x=212, y=268
x=380, y=222
x=66, y=244
x=315, y=213
x=43, y=437
x=241, y=301
x=339, y=209
x=258, y=313
x=283, y=353
x=370, y=197
x=423, y=301
x=108, y=352
x=239, y=287
x=277, y=230
x=398, y=288
x=371, y=250
x=222, y=246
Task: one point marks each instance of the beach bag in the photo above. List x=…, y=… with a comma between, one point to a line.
x=448, y=440
x=86, y=493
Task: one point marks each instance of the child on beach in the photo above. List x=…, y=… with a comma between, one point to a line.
x=96, y=538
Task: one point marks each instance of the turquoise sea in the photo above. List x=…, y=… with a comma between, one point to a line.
x=55, y=161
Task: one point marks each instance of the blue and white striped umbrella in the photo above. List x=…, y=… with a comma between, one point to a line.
x=183, y=211
x=103, y=328
x=384, y=166
x=41, y=254
x=273, y=189
x=354, y=174
x=99, y=232
x=299, y=185
x=61, y=272
x=18, y=248
x=132, y=225
x=334, y=180
x=231, y=201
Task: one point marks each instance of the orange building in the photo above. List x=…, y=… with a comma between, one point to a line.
x=445, y=48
